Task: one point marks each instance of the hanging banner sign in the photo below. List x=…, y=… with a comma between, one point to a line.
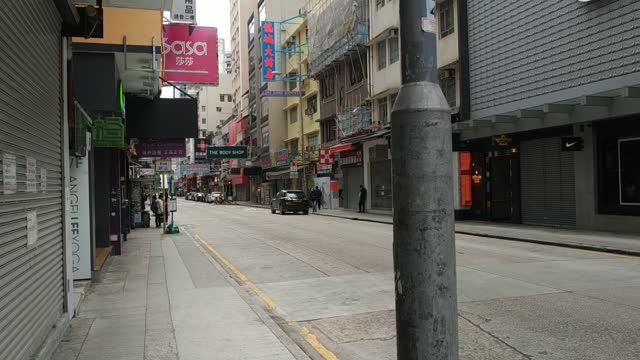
x=9, y=183
x=184, y=11
x=79, y=218
x=268, y=51
x=190, y=54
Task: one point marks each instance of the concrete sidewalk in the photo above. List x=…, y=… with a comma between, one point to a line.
x=628, y=244
x=164, y=299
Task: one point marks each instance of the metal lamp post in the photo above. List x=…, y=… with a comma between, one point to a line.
x=423, y=224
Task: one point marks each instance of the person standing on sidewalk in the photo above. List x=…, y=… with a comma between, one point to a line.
x=157, y=207
x=362, y=197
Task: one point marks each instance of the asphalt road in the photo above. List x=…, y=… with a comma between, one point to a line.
x=516, y=300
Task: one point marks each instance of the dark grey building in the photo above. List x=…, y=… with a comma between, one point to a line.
x=553, y=90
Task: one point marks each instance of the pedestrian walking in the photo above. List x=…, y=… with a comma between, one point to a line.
x=316, y=199
x=362, y=197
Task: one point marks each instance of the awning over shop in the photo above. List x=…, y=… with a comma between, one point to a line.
x=340, y=147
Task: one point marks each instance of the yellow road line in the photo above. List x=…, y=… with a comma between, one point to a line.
x=267, y=300
x=307, y=335
x=313, y=341
x=611, y=254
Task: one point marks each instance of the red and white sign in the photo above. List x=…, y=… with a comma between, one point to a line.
x=326, y=157
x=190, y=54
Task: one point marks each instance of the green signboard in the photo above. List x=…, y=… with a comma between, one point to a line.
x=227, y=152
x=108, y=132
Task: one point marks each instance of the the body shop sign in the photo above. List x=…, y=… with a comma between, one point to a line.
x=190, y=56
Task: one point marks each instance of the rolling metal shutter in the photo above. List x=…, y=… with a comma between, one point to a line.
x=31, y=279
x=548, y=183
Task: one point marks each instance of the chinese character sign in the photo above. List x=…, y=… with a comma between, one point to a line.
x=268, y=51
x=183, y=11
x=190, y=54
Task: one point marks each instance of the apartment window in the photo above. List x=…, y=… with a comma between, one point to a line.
x=356, y=72
x=265, y=137
x=312, y=104
x=204, y=120
x=313, y=142
x=291, y=44
x=328, y=86
x=203, y=133
x=251, y=29
x=383, y=110
x=204, y=108
x=293, y=115
x=218, y=109
x=446, y=18
x=293, y=148
x=448, y=86
x=328, y=130
x=392, y=101
x=263, y=12
x=394, y=50
x=293, y=82
x=221, y=98
x=382, y=54
x=229, y=98
x=379, y=4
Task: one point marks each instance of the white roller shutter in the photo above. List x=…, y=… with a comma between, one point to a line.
x=31, y=277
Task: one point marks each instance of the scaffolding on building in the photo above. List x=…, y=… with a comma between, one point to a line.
x=336, y=27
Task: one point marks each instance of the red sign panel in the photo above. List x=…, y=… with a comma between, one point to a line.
x=190, y=53
x=465, y=178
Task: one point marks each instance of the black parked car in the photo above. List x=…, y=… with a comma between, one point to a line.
x=290, y=200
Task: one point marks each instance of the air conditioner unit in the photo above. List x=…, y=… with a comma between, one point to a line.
x=393, y=33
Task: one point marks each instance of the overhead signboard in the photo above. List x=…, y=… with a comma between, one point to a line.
x=282, y=157
x=201, y=168
x=268, y=51
x=163, y=166
x=183, y=11
x=282, y=93
x=169, y=148
x=190, y=54
x=227, y=152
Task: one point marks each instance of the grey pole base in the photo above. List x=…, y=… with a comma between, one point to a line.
x=423, y=224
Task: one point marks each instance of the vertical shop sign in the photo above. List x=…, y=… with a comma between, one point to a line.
x=9, y=183
x=268, y=51
x=200, y=152
x=79, y=215
x=465, y=178
x=32, y=181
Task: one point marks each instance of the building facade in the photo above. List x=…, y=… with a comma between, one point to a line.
x=553, y=114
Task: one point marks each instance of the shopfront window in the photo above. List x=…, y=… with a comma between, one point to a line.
x=629, y=171
x=618, y=170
